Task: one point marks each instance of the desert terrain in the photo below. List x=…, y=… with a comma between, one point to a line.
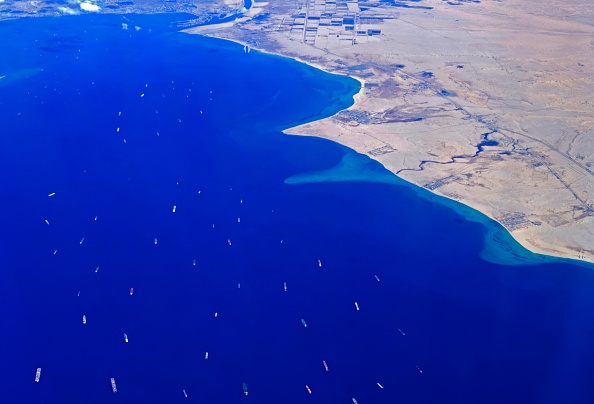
x=488, y=103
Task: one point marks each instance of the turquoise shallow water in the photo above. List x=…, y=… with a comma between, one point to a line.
x=201, y=122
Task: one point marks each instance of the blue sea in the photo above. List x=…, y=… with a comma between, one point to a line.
x=123, y=125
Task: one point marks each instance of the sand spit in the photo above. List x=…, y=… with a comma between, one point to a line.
x=488, y=104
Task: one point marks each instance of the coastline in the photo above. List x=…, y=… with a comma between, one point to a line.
x=205, y=30
x=525, y=239
x=357, y=276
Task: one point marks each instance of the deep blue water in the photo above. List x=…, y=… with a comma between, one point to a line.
x=480, y=332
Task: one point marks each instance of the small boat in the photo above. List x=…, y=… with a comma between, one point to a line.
x=380, y=386
x=304, y=323
x=325, y=365
x=47, y=222
x=185, y=394
x=52, y=194
x=38, y=375
x=95, y=218
x=131, y=291
x=239, y=286
x=126, y=337
x=206, y=355
x=174, y=208
x=376, y=278
x=96, y=269
x=216, y=314
x=155, y=240
x=238, y=220
x=55, y=252
x=401, y=332
x=285, y=286
x=113, y=385
x=354, y=401
x=78, y=294
x=357, y=306
x=81, y=240
x=194, y=262
x=84, y=319
x=419, y=369
x=319, y=263
x=244, y=387
x=229, y=241
x=308, y=389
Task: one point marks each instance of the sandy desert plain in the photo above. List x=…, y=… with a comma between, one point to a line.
x=489, y=103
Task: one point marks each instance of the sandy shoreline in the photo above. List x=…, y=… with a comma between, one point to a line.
x=501, y=200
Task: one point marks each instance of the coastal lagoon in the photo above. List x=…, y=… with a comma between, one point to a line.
x=168, y=173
